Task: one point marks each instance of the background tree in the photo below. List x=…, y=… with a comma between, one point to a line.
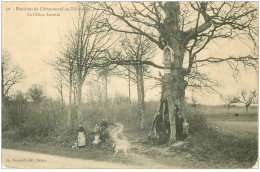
x=138, y=48
x=65, y=65
x=194, y=102
x=11, y=73
x=36, y=94
x=228, y=100
x=248, y=98
x=187, y=28
x=104, y=73
x=88, y=41
x=59, y=85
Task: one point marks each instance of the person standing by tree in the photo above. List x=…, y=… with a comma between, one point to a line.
x=179, y=125
x=185, y=129
x=81, y=136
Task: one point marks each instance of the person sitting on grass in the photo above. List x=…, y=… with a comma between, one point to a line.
x=104, y=124
x=104, y=130
x=96, y=129
x=97, y=141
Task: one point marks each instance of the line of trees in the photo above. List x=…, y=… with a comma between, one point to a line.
x=246, y=97
x=93, y=49
x=86, y=43
x=138, y=48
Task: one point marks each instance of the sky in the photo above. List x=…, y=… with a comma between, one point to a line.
x=33, y=41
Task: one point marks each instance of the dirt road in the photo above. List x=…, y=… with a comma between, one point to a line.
x=119, y=138
x=22, y=159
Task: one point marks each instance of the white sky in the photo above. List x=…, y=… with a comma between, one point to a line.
x=34, y=41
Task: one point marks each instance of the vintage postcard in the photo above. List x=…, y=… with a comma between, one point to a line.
x=129, y=85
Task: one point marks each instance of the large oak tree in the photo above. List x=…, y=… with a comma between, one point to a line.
x=188, y=28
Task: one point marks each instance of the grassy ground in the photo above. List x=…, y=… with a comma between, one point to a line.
x=228, y=142
x=237, y=136
x=242, y=126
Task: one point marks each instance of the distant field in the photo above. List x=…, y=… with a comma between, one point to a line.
x=212, y=110
x=227, y=122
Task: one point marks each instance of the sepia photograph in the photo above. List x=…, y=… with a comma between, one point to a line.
x=129, y=85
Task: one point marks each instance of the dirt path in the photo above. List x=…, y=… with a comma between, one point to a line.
x=119, y=138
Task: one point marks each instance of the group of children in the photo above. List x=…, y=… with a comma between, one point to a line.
x=100, y=133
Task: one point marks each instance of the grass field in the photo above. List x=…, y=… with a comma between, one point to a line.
x=239, y=133
x=227, y=122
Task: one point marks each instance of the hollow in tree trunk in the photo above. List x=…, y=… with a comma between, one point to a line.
x=173, y=83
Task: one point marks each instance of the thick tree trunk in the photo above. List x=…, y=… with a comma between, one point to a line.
x=142, y=100
x=62, y=105
x=75, y=95
x=140, y=93
x=69, y=111
x=2, y=83
x=106, y=105
x=79, y=103
x=62, y=99
x=247, y=109
x=129, y=94
x=173, y=83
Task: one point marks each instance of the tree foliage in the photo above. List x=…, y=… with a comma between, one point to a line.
x=36, y=93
